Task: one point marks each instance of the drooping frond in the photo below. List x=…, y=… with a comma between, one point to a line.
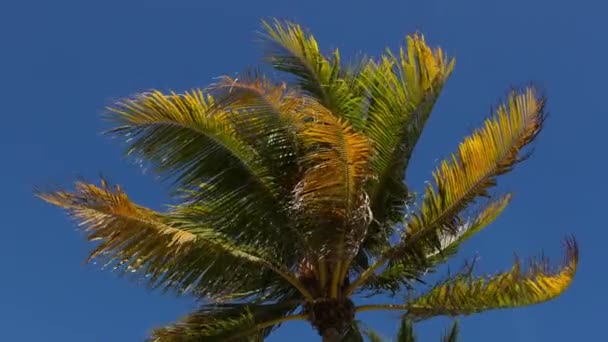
x=293, y=50
x=228, y=322
x=465, y=294
x=170, y=254
x=402, y=90
x=215, y=160
x=184, y=138
x=336, y=168
x=267, y=117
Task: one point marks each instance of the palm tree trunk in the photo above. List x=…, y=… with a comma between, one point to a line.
x=331, y=335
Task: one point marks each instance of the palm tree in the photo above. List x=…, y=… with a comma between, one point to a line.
x=291, y=197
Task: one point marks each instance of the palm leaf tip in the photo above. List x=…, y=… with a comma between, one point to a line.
x=293, y=50
x=465, y=294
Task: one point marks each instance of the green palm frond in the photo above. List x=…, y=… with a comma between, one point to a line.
x=228, y=322
x=267, y=117
x=228, y=186
x=183, y=137
x=295, y=51
x=170, y=254
x=449, y=242
x=402, y=90
x=399, y=273
x=465, y=294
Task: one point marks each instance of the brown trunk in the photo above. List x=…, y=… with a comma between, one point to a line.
x=331, y=335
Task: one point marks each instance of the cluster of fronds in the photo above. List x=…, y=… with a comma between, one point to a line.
x=289, y=193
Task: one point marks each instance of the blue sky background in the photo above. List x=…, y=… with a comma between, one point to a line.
x=62, y=62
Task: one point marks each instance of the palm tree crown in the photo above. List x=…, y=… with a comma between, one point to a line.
x=292, y=197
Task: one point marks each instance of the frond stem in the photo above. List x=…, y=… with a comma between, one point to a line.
x=335, y=281
x=365, y=275
x=373, y=307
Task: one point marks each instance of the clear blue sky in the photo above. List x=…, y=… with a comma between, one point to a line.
x=62, y=63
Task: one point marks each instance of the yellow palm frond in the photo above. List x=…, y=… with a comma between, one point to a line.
x=337, y=164
x=466, y=295
x=489, y=152
x=125, y=229
x=330, y=192
x=169, y=253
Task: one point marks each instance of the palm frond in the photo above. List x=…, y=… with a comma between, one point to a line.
x=168, y=252
x=295, y=51
x=489, y=152
x=450, y=242
x=228, y=322
x=336, y=168
x=191, y=138
x=465, y=294
x=183, y=137
x=403, y=272
x=402, y=90
x=267, y=117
